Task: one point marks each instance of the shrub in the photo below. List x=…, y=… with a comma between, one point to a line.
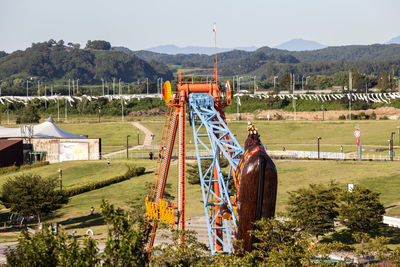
x=373, y=116
x=131, y=172
x=384, y=118
x=14, y=168
x=342, y=117
x=28, y=115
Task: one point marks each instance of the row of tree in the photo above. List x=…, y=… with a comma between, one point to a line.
x=54, y=62
x=285, y=242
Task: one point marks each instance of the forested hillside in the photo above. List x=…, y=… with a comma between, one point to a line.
x=266, y=62
x=57, y=62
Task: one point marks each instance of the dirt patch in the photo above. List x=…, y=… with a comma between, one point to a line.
x=390, y=112
x=151, y=112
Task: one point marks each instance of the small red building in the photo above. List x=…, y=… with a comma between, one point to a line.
x=11, y=153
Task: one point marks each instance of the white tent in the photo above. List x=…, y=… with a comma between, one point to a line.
x=46, y=129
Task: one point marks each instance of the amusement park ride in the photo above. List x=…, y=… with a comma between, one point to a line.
x=198, y=89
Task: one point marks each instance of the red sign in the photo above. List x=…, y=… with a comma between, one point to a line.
x=357, y=133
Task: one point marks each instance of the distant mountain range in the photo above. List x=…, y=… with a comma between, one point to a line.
x=395, y=40
x=174, y=50
x=300, y=45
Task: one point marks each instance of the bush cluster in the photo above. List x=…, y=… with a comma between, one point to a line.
x=131, y=172
x=360, y=116
x=15, y=168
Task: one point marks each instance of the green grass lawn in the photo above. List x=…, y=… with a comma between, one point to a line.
x=383, y=177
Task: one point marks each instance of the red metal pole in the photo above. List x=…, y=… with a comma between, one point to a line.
x=182, y=168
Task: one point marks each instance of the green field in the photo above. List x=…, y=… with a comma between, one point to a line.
x=383, y=177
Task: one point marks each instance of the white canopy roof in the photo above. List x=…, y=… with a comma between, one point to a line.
x=46, y=129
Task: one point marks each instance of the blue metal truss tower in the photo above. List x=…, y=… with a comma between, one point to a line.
x=213, y=138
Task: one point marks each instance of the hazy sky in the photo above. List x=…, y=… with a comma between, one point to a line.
x=147, y=23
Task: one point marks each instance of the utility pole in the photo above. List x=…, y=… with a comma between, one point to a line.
x=69, y=87
x=27, y=88
x=122, y=107
x=102, y=85
x=255, y=85
x=127, y=146
x=318, y=139
x=119, y=86
x=350, y=90
x=294, y=107
x=275, y=77
x=147, y=85
x=66, y=115
x=58, y=109
x=114, y=85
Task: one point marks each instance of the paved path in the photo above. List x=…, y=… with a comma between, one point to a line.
x=147, y=140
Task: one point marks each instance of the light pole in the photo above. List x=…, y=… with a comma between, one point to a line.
x=60, y=178
x=302, y=84
x=254, y=84
x=69, y=87
x=102, y=85
x=147, y=85
x=127, y=146
x=275, y=77
x=308, y=77
x=391, y=145
x=350, y=90
x=152, y=142
x=239, y=83
x=99, y=114
x=27, y=88
x=119, y=86
x=398, y=130
x=114, y=86
x=318, y=139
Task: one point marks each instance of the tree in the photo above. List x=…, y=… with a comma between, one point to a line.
x=193, y=169
x=98, y=44
x=281, y=243
x=30, y=194
x=383, y=82
x=314, y=208
x=28, y=115
x=46, y=249
x=361, y=210
x=189, y=253
x=126, y=237
x=284, y=82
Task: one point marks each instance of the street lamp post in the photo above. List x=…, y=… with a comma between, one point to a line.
x=99, y=114
x=254, y=84
x=152, y=142
x=60, y=178
x=275, y=77
x=147, y=85
x=102, y=85
x=127, y=146
x=398, y=129
x=391, y=145
x=318, y=139
x=27, y=88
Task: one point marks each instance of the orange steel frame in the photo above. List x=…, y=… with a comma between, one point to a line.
x=177, y=105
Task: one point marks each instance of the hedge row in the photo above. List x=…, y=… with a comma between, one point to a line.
x=15, y=168
x=131, y=172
